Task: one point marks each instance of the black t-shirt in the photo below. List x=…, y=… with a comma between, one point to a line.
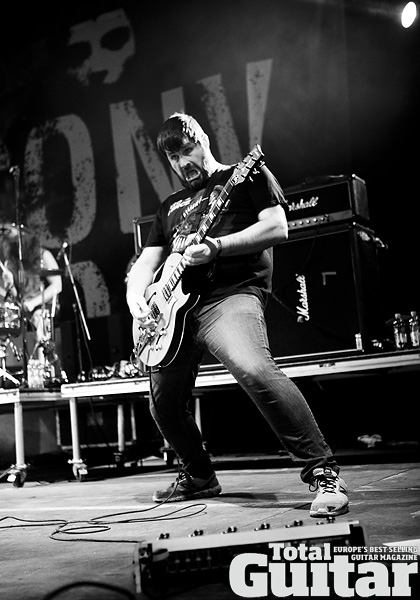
x=181, y=213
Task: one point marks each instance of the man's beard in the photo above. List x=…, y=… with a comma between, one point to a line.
x=199, y=177
x=195, y=185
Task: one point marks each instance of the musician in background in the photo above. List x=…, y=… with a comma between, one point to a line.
x=39, y=291
x=230, y=272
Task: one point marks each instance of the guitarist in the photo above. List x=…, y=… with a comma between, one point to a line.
x=230, y=274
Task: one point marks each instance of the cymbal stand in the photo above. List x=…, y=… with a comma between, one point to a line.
x=81, y=376
x=78, y=464
x=15, y=171
x=79, y=313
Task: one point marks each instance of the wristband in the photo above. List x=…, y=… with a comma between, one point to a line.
x=219, y=247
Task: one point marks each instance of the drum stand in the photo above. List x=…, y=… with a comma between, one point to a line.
x=4, y=375
x=52, y=368
x=10, y=326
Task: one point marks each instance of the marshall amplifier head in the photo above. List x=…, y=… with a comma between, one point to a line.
x=327, y=200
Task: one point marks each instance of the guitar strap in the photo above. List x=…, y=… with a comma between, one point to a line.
x=190, y=221
x=203, y=200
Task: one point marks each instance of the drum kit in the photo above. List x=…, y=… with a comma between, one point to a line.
x=41, y=366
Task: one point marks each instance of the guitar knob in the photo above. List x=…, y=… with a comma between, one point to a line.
x=196, y=533
x=230, y=530
x=262, y=526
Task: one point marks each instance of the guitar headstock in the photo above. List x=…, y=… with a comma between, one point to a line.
x=250, y=163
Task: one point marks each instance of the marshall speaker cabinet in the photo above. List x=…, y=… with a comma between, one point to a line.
x=326, y=201
x=326, y=293
x=141, y=228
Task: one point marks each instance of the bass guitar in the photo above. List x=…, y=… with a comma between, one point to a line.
x=169, y=305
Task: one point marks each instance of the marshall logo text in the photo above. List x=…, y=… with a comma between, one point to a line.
x=302, y=204
x=302, y=308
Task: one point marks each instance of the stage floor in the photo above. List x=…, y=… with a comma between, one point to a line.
x=104, y=516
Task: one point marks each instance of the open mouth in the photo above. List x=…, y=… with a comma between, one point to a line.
x=191, y=175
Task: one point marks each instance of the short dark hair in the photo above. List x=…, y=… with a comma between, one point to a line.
x=174, y=130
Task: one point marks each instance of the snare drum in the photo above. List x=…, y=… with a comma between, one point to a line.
x=10, y=319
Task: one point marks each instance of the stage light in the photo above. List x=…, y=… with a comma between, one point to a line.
x=403, y=13
x=408, y=14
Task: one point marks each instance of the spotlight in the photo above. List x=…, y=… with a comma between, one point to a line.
x=405, y=13
x=408, y=14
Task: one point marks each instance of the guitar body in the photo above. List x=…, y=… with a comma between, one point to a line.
x=159, y=347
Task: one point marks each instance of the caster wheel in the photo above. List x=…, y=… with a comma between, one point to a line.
x=79, y=472
x=19, y=480
x=119, y=460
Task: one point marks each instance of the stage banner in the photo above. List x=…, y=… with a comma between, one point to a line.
x=83, y=105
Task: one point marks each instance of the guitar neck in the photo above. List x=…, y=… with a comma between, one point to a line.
x=203, y=229
x=215, y=209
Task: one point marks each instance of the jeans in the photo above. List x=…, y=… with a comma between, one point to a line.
x=234, y=331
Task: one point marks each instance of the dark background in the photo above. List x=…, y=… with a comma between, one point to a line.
x=343, y=98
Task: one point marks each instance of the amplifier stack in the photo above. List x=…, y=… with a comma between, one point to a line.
x=326, y=297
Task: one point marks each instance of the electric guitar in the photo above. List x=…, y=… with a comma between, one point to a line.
x=169, y=305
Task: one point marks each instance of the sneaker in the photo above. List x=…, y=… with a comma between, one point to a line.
x=186, y=487
x=331, y=498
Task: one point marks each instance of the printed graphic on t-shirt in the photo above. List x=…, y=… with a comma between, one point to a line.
x=191, y=217
x=187, y=221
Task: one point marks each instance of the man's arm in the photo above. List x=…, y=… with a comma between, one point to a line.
x=270, y=229
x=141, y=276
x=54, y=283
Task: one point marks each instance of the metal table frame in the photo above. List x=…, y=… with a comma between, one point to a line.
x=216, y=376
x=17, y=473
x=211, y=376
